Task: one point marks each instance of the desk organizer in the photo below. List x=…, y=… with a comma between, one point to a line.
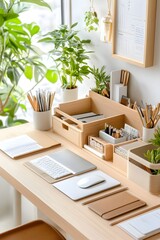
x=77, y=132
x=138, y=169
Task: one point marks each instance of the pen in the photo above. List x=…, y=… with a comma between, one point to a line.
x=42, y=101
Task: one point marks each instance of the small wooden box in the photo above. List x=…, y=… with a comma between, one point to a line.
x=138, y=169
x=101, y=146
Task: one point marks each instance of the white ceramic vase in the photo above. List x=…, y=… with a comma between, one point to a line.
x=69, y=94
x=147, y=134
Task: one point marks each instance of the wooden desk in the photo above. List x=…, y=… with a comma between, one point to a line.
x=73, y=217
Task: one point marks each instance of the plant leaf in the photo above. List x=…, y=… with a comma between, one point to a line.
x=74, y=24
x=51, y=75
x=28, y=71
x=1, y=20
x=38, y=2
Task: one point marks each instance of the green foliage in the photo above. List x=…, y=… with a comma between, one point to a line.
x=102, y=79
x=12, y=102
x=91, y=20
x=156, y=140
x=51, y=75
x=153, y=155
x=69, y=54
x=18, y=57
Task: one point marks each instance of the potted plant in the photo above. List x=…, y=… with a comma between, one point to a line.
x=153, y=155
x=144, y=164
x=102, y=81
x=18, y=57
x=69, y=55
x=91, y=19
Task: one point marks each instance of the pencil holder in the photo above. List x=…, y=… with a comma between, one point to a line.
x=147, y=134
x=42, y=120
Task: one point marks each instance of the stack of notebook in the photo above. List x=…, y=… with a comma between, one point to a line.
x=143, y=226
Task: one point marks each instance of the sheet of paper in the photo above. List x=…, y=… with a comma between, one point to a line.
x=130, y=32
x=17, y=146
x=147, y=223
x=143, y=226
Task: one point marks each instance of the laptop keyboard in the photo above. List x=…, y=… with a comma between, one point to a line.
x=51, y=167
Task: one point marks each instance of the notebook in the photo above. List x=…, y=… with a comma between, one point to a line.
x=25, y=144
x=70, y=186
x=142, y=226
x=116, y=205
x=69, y=160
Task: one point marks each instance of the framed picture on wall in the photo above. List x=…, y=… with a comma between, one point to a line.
x=134, y=31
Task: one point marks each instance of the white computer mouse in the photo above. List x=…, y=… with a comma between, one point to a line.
x=89, y=181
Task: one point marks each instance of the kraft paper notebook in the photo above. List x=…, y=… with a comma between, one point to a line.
x=26, y=144
x=116, y=205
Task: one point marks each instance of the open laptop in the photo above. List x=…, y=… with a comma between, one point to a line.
x=71, y=163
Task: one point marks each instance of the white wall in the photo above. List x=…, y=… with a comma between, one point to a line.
x=144, y=82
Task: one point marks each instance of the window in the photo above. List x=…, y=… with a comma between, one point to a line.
x=45, y=18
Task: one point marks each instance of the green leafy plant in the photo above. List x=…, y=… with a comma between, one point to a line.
x=69, y=54
x=91, y=21
x=102, y=80
x=156, y=140
x=153, y=155
x=18, y=57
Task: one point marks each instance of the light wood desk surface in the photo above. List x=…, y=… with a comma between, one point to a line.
x=73, y=217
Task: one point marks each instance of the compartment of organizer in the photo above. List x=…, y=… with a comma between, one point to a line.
x=102, y=147
x=119, y=161
x=121, y=153
x=79, y=119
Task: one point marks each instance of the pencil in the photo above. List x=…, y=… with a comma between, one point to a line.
x=31, y=101
x=42, y=101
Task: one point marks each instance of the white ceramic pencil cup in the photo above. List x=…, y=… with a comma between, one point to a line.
x=147, y=134
x=42, y=120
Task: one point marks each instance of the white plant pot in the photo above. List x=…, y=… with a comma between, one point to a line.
x=69, y=94
x=137, y=169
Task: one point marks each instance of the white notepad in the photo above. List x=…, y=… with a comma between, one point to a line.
x=71, y=189
x=142, y=226
x=19, y=145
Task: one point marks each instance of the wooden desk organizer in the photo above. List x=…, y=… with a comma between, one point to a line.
x=77, y=132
